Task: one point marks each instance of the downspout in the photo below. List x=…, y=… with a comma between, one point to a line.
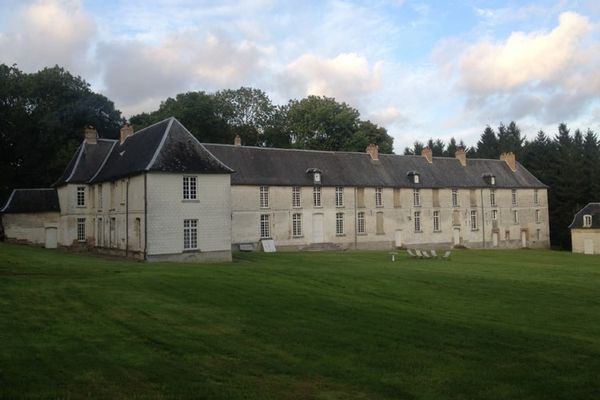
x=127, y=217
x=355, y=221
x=482, y=218
x=145, y=217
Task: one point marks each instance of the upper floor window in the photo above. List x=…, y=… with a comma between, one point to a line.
x=536, y=199
x=537, y=216
x=513, y=197
x=317, y=177
x=339, y=196
x=80, y=196
x=264, y=197
x=515, y=216
x=378, y=197
x=317, y=196
x=587, y=221
x=493, y=198
x=189, y=188
x=473, y=220
x=495, y=215
x=296, y=196
x=339, y=223
x=492, y=180
x=454, y=197
x=416, y=197
x=100, y=196
x=414, y=177
x=489, y=179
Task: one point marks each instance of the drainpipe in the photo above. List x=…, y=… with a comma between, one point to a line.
x=482, y=218
x=145, y=217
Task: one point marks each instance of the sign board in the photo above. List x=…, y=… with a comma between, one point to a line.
x=268, y=245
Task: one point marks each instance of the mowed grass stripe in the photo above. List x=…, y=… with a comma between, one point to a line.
x=487, y=324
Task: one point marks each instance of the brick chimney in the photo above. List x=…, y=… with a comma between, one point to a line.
x=510, y=159
x=237, y=141
x=461, y=156
x=91, y=135
x=126, y=131
x=428, y=154
x=373, y=151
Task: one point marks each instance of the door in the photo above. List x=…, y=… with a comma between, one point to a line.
x=456, y=236
x=588, y=246
x=317, y=228
x=495, y=239
x=398, y=238
x=523, y=239
x=51, y=237
x=100, y=233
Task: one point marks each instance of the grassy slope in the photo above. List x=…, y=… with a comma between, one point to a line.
x=488, y=324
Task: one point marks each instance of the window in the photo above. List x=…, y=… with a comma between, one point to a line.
x=515, y=216
x=100, y=196
x=416, y=197
x=397, y=202
x=360, y=223
x=100, y=238
x=416, y=178
x=138, y=232
x=81, y=229
x=495, y=215
x=492, y=180
x=378, y=197
x=80, y=196
x=473, y=220
x=296, y=197
x=417, y=219
x=339, y=196
x=587, y=221
x=264, y=197
x=317, y=196
x=514, y=197
x=265, y=226
x=538, y=234
x=493, y=197
x=297, y=225
x=317, y=177
x=189, y=188
x=190, y=234
x=123, y=191
x=360, y=197
x=536, y=199
x=112, y=229
x=379, y=223
x=339, y=223
x=506, y=235
x=537, y=216
x=436, y=221
x=454, y=197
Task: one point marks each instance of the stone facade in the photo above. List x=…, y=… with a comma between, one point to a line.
x=585, y=241
x=28, y=227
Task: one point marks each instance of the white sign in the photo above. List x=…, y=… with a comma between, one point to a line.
x=268, y=246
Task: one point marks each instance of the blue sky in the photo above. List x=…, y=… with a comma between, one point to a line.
x=420, y=68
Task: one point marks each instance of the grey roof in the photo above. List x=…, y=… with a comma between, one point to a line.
x=592, y=209
x=166, y=146
x=286, y=167
x=31, y=201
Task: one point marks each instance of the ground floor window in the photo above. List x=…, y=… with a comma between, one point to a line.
x=473, y=220
x=339, y=223
x=436, y=221
x=360, y=223
x=100, y=233
x=297, y=225
x=265, y=226
x=190, y=234
x=81, y=229
x=417, y=220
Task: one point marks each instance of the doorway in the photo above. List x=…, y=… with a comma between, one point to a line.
x=317, y=228
x=456, y=236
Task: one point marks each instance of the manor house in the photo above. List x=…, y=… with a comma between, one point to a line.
x=159, y=194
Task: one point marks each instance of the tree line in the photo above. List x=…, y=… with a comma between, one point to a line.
x=568, y=162
x=42, y=116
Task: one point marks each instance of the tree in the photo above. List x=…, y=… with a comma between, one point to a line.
x=487, y=146
x=510, y=139
x=369, y=133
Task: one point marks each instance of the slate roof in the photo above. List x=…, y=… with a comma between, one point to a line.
x=31, y=201
x=166, y=146
x=287, y=167
x=592, y=209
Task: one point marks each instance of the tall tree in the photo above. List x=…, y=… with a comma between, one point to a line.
x=488, y=146
x=510, y=139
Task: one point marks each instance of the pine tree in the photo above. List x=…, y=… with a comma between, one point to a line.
x=487, y=146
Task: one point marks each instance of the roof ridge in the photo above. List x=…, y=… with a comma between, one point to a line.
x=204, y=147
x=81, y=147
x=108, y=154
x=8, y=201
x=161, y=144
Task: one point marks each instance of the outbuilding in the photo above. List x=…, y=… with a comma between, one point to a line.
x=585, y=230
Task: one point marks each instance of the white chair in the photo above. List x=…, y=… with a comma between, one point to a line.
x=446, y=255
x=425, y=254
x=434, y=254
x=418, y=253
x=411, y=254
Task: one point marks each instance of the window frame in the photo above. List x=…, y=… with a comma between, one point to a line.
x=493, y=198
x=417, y=197
x=455, y=202
x=516, y=217
x=296, y=197
x=263, y=197
x=474, y=220
x=587, y=220
x=80, y=197
x=436, y=221
x=361, y=223
x=379, y=197
x=494, y=215
x=417, y=221
x=264, y=229
x=189, y=188
x=536, y=197
x=513, y=197
x=81, y=230
x=339, y=196
x=297, y=225
x=538, y=216
x=339, y=224
x=317, y=197
x=190, y=234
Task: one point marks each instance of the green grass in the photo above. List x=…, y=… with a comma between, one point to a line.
x=486, y=325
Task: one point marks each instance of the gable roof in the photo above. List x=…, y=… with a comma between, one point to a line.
x=32, y=201
x=166, y=146
x=288, y=167
x=592, y=209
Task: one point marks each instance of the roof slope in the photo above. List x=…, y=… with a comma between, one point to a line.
x=166, y=146
x=592, y=209
x=32, y=201
x=285, y=167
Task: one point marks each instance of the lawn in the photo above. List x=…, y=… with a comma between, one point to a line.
x=486, y=325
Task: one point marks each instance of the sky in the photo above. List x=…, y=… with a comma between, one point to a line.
x=422, y=69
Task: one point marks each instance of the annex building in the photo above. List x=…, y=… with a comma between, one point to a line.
x=585, y=230
x=159, y=194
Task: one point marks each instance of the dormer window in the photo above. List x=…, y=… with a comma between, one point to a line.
x=587, y=221
x=414, y=177
x=490, y=179
x=316, y=175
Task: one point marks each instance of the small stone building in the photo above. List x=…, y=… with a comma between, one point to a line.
x=585, y=230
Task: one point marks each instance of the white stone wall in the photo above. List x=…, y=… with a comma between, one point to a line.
x=580, y=236
x=398, y=218
x=167, y=210
x=28, y=227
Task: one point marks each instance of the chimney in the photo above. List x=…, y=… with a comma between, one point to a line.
x=237, y=141
x=428, y=154
x=461, y=156
x=373, y=151
x=509, y=158
x=126, y=131
x=90, y=135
